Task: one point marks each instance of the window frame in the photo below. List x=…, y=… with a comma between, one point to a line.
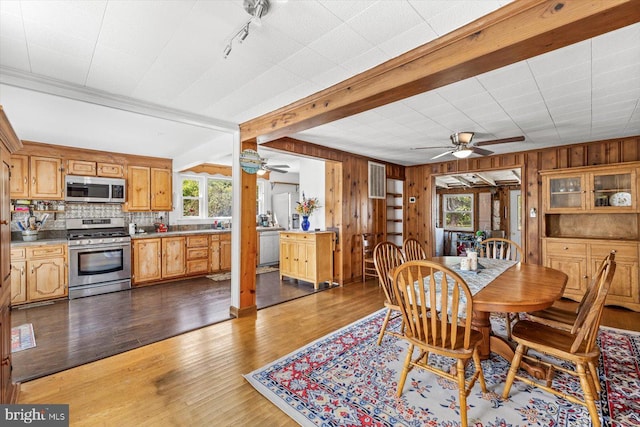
x=471, y=212
x=203, y=182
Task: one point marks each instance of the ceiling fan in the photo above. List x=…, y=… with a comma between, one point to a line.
x=463, y=146
x=264, y=167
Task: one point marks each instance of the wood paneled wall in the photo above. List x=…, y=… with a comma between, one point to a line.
x=420, y=217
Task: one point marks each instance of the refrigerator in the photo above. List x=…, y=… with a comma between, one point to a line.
x=283, y=205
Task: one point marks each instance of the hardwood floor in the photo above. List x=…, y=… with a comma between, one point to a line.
x=71, y=333
x=195, y=379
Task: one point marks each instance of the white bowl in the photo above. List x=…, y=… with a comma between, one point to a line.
x=30, y=235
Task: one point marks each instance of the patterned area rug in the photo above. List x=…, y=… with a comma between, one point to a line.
x=22, y=337
x=218, y=277
x=345, y=379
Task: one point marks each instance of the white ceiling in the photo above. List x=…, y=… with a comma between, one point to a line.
x=71, y=72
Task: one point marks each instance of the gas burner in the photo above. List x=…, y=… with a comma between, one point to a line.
x=95, y=234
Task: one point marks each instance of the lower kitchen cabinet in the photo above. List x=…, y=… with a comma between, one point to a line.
x=38, y=273
x=580, y=259
x=220, y=252
x=147, y=265
x=307, y=256
x=174, y=257
x=197, y=255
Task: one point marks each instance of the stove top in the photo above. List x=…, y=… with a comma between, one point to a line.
x=96, y=234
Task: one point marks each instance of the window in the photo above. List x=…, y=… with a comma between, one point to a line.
x=458, y=212
x=204, y=197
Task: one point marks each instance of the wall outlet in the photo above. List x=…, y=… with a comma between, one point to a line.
x=412, y=199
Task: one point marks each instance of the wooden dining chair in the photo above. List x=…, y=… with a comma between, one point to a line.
x=425, y=289
x=413, y=250
x=576, y=346
x=387, y=256
x=368, y=267
x=499, y=248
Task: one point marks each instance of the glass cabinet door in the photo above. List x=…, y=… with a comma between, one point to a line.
x=566, y=192
x=613, y=190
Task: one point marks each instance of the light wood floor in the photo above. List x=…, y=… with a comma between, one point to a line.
x=195, y=379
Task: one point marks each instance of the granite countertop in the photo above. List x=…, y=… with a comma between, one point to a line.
x=151, y=234
x=39, y=242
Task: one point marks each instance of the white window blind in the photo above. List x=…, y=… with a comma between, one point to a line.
x=377, y=181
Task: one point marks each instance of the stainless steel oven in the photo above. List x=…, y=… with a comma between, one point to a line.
x=99, y=256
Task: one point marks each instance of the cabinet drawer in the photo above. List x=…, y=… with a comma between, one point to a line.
x=46, y=251
x=198, y=253
x=567, y=248
x=198, y=266
x=18, y=253
x=623, y=250
x=197, y=241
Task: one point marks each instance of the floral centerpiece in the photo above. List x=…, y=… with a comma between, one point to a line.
x=305, y=208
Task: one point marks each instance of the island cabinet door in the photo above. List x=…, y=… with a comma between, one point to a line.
x=147, y=266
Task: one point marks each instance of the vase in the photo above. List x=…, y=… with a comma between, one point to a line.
x=305, y=224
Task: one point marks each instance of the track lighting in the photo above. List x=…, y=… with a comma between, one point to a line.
x=257, y=9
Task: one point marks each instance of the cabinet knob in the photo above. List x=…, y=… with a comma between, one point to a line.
x=585, y=277
x=32, y=270
x=34, y=180
x=565, y=248
x=25, y=180
x=6, y=361
x=22, y=271
x=4, y=222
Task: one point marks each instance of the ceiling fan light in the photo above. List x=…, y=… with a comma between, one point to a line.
x=462, y=154
x=464, y=137
x=261, y=171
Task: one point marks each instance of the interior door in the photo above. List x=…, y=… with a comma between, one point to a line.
x=515, y=216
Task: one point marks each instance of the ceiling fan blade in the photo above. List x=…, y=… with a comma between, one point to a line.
x=442, y=155
x=278, y=166
x=499, y=141
x=430, y=148
x=481, y=151
x=272, y=169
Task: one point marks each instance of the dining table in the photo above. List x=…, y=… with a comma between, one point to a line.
x=519, y=288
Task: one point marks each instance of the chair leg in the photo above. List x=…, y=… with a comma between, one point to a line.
x=588, y=394
x=476, y=361
x=384, y=325
x=513, y=370
x=508, y=325
x=462, y=392
x=405, y=370
x=593, y=370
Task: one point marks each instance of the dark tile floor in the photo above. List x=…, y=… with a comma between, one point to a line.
x=73, y=332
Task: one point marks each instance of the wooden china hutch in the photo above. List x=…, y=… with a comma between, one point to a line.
x=9, y=144
x=589, y=212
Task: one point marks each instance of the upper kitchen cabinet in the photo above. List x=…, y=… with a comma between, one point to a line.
x=88, y=168
x=148, y=188
x=591, y=189
x=36, y=177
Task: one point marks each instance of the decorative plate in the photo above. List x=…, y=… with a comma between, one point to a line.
x=620, y=199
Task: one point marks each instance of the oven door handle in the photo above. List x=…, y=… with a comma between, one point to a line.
x=99, y=248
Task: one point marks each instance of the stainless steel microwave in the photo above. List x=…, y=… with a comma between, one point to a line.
x=94, y=189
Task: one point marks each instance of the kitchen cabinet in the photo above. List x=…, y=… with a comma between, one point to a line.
x=36, y=177
x=307, y=256
x=148, y=189
x=38, y=273
x=197, y=255
x=174, y=259
x=580, y=259
x=88, y=168
x=394, y=214
x=591, y=190
x=147, y=260
x=220, y=252
x=18, y=276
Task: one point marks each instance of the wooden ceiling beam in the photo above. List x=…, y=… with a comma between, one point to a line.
x=515, y=32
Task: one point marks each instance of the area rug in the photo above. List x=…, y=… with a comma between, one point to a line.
x=227, y=275
x=22, y=337
x=345, y=379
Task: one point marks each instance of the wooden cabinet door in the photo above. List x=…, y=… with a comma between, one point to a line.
x=286, y=256
x=576, y=269
x=214, y=254
x=81, y=167
x=46, y=177
x=308, y=260
x=19, y=176
x=173, y=257
x=47, y=278
x=161, y=192
x=110, y=170
x=564, y=192
x=147, y=266
x=225, y=251
x=138, y=188
x=18, y=282
x=6, y=386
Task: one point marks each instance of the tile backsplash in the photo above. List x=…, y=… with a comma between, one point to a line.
x=57, y=219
